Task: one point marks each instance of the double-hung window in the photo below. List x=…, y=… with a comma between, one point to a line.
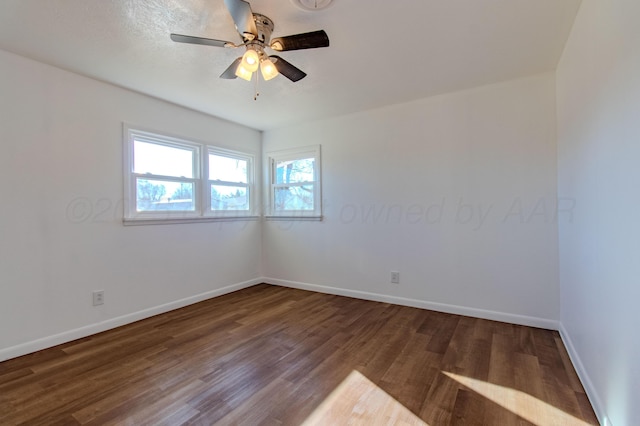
x=229, y=189
x=294, y=183
x=172, y=179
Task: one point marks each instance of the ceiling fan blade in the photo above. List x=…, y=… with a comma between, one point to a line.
x=242, y=15
x=285, y=68
x=230, y=73
x=199, y=40
x=301, y=41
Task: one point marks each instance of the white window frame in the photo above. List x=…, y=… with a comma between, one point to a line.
x=202, y=196
x=251, y=197
x=271, y=159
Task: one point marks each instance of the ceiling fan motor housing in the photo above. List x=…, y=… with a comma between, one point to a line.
x=265, y=28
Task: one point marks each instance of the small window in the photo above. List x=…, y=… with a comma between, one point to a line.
x=295, y=185
x=163, y=179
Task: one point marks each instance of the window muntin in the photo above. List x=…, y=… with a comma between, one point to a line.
x=294, y=183
x=167, y=178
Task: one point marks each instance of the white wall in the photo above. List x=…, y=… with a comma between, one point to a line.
x=61, y=226
x=598, y=86
x=456, y=192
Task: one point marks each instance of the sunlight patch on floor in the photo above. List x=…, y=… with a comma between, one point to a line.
x=358, y=401
x=522, y=404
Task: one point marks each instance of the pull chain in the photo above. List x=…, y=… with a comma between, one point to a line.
x=256, y=94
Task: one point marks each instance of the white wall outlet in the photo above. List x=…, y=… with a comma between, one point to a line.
x=98, y=297
x=395, y=277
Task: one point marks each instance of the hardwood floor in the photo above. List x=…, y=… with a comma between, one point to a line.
x=270, y=355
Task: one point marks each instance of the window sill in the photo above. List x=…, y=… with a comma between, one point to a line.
x=303, y=218
x=174, y=221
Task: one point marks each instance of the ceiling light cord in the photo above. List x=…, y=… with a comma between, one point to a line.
x=256, y=93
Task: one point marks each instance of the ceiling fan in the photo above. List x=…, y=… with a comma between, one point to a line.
x=255, y=30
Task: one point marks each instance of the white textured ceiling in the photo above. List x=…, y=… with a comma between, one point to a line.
x=382, y=52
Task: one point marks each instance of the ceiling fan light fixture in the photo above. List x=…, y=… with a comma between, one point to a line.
x=250, y=60
x=243, y=73
x=312, y=5
x=268, y=69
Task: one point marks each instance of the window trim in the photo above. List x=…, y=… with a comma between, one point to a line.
x=271, y=158
x=202, y=211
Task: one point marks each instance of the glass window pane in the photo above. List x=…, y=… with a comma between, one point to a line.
x=227, y=169
x=229, y=197
x=294, y=198
x=158, y=195
x=295, y=171
x=162, y=160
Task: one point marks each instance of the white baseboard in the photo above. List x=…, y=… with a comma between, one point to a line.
x=415, y=303
x=67, y=336
x=592, y=394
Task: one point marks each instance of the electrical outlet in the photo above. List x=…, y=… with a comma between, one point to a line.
x=98, y=297
x=395, y=277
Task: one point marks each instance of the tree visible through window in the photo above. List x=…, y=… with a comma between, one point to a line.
x=169, y=178
x=295, y=182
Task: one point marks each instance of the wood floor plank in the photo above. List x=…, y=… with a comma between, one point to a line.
x=469, y=409
x=528, y=375
x=270, y=355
